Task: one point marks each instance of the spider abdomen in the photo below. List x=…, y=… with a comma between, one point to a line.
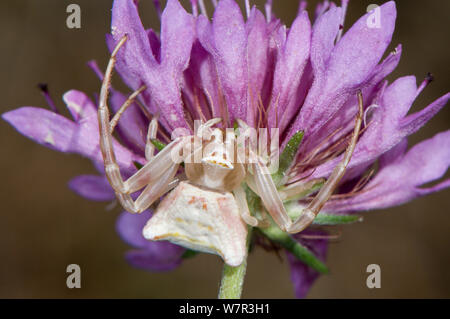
x=200, y=219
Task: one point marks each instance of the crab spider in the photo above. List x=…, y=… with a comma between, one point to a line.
x=208, y=210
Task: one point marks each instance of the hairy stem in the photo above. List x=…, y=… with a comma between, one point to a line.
x=233, y=277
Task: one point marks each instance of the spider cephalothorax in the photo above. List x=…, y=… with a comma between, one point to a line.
x=207, y=211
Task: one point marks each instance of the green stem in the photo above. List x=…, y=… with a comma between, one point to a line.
x=233, y=277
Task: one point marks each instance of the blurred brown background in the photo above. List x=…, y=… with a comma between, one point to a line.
x=44, y=226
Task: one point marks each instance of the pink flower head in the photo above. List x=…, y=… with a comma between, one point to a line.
x=254, y=68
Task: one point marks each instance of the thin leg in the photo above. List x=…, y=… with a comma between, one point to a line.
x=124, y=107
x=310, y=212
x=150, y=193
x=155, y=168
x=155, y=190
x=161, y=167
x=151, y=134
x=268, y=193
x=241, y=200
x=158, y=177
x=300, y=189
x=203, y=129
x=111, y=168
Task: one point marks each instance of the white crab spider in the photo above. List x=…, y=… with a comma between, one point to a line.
x=208, y=211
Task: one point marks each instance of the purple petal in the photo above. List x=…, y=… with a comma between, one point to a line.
x=150, y=255
x=321, y=8
x=80, y=106
x=61, y=134
x=257, y=60
x=303, y=276
x=414, y=122
x=129, y=226
x=164, y=81
x=360, y=49
x=351, y=63
x=435, y=188
x=135, y=58
x=205, y=33
x=43, y=126
x=394, y=154
x=387, y=66
x=202, y=74
x=324, y=33
x=288, y=72
x=226, y=41
x=155, y=44
x=92, y=187
x=87, y=131
x=177, y=36
x=387, y=126
x=346, y=117
x=137, y=64
x=428, y=160
x=382, y=133
x=132, y=127
x=136, y=54
x=401, y=175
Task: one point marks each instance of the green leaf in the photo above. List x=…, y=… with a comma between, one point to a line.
x=158, y=144
x=288, y=156
x=294, y=247
x=329, y=219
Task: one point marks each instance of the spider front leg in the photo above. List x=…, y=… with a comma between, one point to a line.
x=311, y=211
x=239, y=194
x=151, y=135
x=160, y=182
x=267, y=191
x=155, y=175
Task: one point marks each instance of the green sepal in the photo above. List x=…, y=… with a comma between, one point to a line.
x=138, y=165
x=288, y=156
x=235, y=125
x=294, y=211
x=236, y=128
x=330, y=219
x=158, y=144
x=294, y=247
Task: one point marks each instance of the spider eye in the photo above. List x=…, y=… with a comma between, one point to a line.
x=217, y=161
